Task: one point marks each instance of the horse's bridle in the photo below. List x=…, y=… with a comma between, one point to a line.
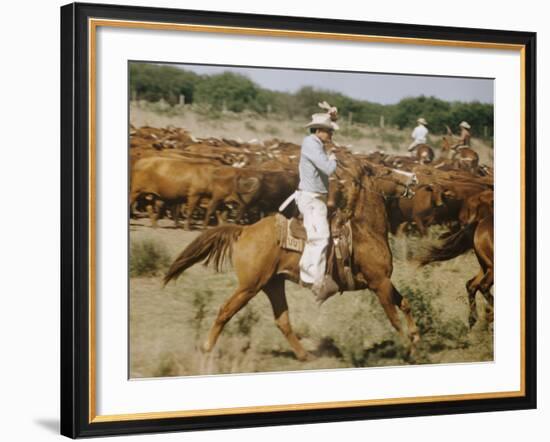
x=408, y=192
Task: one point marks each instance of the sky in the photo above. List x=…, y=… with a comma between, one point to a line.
x=378, y=88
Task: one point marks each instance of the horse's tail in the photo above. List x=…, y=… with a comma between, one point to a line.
x=212, y=246
x=453, y=246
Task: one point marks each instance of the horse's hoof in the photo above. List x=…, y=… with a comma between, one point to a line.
x=306, y=357
x=410, y=354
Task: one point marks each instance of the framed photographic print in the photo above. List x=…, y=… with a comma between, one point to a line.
x=274, y=220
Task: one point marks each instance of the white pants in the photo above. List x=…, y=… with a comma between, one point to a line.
x=313, y=208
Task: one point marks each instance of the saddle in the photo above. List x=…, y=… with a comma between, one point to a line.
x=291, y=235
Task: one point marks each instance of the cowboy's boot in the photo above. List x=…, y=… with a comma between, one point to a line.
x=325, y=289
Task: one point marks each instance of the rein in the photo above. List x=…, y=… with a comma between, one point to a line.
x=407, y=192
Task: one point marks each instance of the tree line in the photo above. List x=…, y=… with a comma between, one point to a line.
x=237, y=93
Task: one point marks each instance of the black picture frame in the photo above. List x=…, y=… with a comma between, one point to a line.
x=75, y=220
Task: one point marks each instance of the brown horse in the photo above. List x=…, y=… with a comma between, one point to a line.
x=424, y=154
x=271, y=265
x=479, y=236
x=465, y=157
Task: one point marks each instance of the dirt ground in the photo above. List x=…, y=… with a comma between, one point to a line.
x=168, y=325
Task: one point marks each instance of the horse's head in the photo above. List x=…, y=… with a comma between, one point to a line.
x=445, y=144
x=405, y=182
x=394, y=183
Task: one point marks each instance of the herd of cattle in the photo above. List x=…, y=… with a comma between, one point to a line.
x=209, y=180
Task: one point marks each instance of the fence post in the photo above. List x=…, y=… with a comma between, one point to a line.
x=182, y=100
x=350, y=118
x=382, y=121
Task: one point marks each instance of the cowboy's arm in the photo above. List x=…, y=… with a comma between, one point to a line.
x=317, y=155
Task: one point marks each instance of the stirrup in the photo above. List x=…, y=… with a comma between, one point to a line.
x=327, y=289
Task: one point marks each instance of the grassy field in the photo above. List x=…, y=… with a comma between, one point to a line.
x=168, y=325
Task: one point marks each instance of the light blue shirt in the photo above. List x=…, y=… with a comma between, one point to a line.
x=315, y=166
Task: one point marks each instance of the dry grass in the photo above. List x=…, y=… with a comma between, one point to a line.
x=168, y=325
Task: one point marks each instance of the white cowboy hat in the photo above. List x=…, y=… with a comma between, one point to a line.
x=322, y=121
x=422, y=121
x=465, y=125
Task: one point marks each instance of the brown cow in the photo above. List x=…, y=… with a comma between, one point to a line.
x=420, y=208
x=265, y=190
x=173, y=181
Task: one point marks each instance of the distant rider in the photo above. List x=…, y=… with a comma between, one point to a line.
x=464, y=139
x=419, y=135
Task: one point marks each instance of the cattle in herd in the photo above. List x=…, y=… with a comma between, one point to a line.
x=236, y=181
x=421, y=209
x=173, y=181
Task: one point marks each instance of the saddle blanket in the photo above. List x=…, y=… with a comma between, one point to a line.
x=291, y=235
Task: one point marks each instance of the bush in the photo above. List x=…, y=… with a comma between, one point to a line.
x=147, y=258
x=436, y=334
x=441, y=113
x=152, y=82
x=227, y=91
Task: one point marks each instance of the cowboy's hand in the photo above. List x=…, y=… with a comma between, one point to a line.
x=332, y=157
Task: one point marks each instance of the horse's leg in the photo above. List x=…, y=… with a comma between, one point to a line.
x=390, y=299
x=485, y=289
x=237, y=301
x=275, y=290
x=472, y=286
x=405, y=307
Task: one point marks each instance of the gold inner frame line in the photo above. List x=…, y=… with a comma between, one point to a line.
x=93, y=24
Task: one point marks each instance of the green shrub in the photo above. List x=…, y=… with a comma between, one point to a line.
x=147, y=258
x=436, y=334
